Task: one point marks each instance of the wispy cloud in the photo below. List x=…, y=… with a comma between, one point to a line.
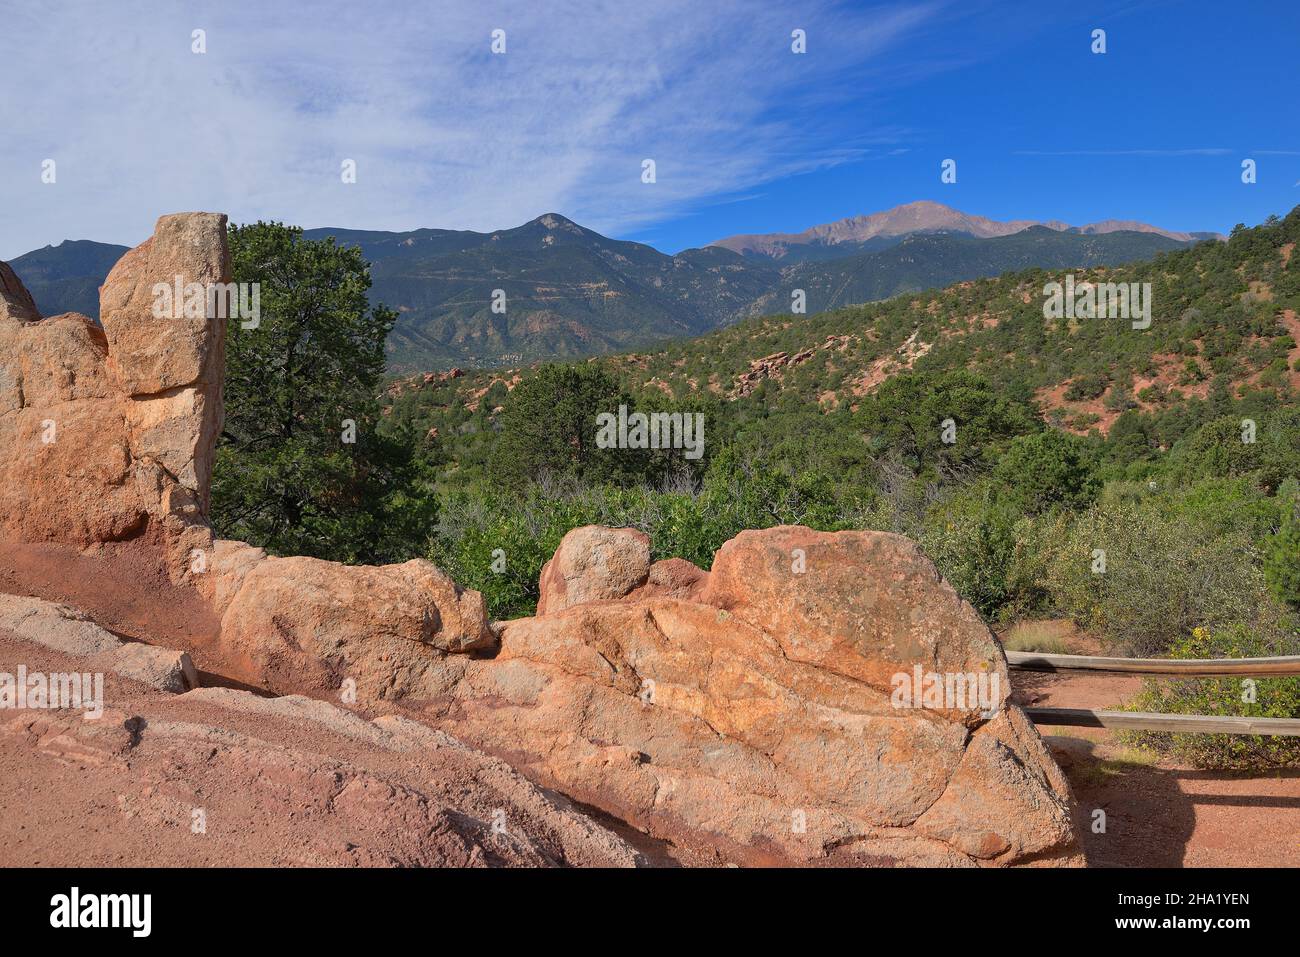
x=443, y=132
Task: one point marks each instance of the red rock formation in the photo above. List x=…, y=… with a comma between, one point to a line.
x=756, y=716
x=749, y=713
x=591, y=564
x=107, y=434
x=314, y=627
x=171, y=368
x=768, y=367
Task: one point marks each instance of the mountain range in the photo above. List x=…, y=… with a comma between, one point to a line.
x=569, y=291
x=878, y=230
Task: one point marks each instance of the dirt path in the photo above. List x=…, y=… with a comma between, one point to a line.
x=1159, y=814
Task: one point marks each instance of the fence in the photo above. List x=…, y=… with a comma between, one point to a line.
x=1168, y=667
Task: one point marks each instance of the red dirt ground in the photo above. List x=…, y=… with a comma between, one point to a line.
x=1158, y=814
x=124, y=590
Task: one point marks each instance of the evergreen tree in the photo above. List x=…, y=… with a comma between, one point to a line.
x=300, y=467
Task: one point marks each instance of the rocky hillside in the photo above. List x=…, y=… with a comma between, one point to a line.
x=651, y=713
x=570, y=292
x=1225, y=324
x=1223, y=320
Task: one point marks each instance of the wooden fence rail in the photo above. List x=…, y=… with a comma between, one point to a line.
x=1148, y=721
x=1178, y=668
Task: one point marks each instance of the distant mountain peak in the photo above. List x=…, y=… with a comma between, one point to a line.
x=917, y=217
x=573, y=292
x=557, y=221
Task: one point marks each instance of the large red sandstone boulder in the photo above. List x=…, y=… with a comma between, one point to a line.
x=305, y=625
x=673, y=578
x=171, y=367
x=107, y=434
x=594, y=563
x=867, y=605
x=760, y=719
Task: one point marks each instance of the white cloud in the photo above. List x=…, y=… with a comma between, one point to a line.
x=444, y=133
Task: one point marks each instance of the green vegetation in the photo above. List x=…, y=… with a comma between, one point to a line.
x=300, y=467
x=1142, y=482
x=1253, y=698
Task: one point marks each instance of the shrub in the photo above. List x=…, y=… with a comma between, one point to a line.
x=497, y=543
x=1282, y=555
x=496, y=540
x=1274, y=698
x=1217, y=449
x=982, y=545
x=1086, y=387
x=1142, y=575
x=550, y=423
x=1047, y=469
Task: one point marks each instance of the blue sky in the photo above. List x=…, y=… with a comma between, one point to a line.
x=746, y=135
x=1041, y=128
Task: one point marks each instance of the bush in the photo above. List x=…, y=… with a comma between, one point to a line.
x=740, y=492
x=496, y=540
x=1274, y=698
x=1144, y=574
x=906, y=415
x=1047, y=469
x=1086, y=387
x=549, y=427
x=1217, y=450
x=981, y=544
x=1282, y=556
